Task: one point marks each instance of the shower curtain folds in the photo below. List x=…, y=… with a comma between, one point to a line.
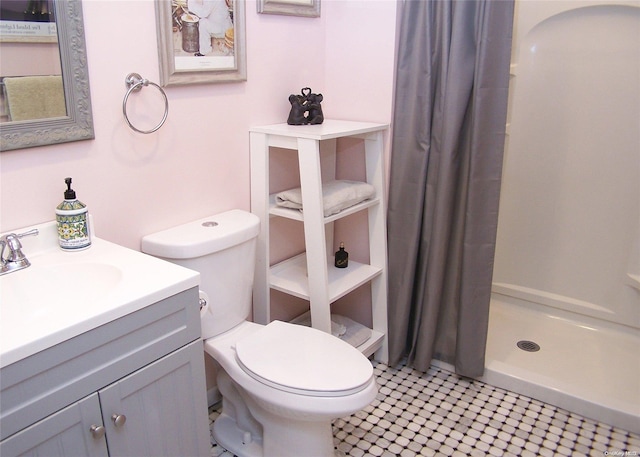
x=452, y=79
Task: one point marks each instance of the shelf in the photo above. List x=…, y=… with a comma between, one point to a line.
x=367, y=347
x=372, y=344
x=290, y=276
x=329, y=129
x=297, y=215
x=311, y=275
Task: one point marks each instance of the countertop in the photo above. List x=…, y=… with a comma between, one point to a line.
x=64, y=294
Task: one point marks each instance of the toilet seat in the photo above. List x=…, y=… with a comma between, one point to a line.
x=303, y=360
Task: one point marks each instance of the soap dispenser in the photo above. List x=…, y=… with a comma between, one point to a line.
x=73, y=222
x=342, y=257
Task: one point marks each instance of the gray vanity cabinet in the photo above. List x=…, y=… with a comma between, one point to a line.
x=154, y=412
x=63, y=434
x=133, y=387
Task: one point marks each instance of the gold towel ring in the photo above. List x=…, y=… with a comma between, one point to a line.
x=135, y=82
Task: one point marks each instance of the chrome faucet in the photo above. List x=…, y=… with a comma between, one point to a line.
x=14, y=260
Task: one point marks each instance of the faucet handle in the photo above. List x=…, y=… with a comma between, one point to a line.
x=15, y=258
x=11, y=240
x=31, y=232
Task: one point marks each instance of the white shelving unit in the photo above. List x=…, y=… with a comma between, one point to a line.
x=311, y=275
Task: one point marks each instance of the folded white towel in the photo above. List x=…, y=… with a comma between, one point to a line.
x=336, y=196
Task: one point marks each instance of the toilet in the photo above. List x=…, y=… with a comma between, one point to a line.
x=282, y=384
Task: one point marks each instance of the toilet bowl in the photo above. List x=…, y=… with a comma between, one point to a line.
x=294, y=412
x=281, y=384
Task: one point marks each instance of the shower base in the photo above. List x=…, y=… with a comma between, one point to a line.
x=585, y=365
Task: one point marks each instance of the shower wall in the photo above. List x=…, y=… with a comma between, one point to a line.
x=569, y=223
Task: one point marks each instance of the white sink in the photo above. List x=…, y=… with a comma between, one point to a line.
x=34, y=287
x=63, y=294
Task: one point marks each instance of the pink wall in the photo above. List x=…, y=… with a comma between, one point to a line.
x=198, y=162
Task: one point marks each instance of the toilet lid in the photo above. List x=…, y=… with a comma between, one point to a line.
x=303, y=360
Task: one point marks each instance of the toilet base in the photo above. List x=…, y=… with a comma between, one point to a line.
x=229, y=436
x=247, y=428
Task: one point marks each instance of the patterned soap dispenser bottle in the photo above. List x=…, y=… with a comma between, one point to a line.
x=342, y=257
x=73, y=222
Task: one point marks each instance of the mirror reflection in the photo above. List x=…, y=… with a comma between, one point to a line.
x=31, y=74
x=44, y=79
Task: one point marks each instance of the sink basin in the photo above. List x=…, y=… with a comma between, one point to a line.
x=76, y=283
x=63, y=294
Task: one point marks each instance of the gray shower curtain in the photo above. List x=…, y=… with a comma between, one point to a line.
x=452, y=78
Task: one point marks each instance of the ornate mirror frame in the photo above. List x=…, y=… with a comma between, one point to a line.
x=78, y=124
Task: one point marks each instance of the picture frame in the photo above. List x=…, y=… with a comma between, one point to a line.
x=22, y=21
x=304, y=8
x=179, y=29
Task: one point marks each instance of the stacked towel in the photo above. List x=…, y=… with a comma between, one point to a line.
x=336, y=195
x=342, y=327
x=305, y=319
x=35, y=97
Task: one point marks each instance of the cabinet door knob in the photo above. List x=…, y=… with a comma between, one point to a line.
x=97, y=431
x=119, y=419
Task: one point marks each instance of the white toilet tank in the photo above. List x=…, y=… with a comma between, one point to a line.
x=222, y=248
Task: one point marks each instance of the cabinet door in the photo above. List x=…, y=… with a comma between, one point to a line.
x=161, y=409
x=66, y=433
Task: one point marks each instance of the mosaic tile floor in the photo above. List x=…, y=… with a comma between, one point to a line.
x=440, y=414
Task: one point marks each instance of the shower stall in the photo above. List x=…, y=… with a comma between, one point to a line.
x=567, y=267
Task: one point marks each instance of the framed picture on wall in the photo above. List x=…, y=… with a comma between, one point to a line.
x=201, y=41
x=307, y=8
x=23, y=21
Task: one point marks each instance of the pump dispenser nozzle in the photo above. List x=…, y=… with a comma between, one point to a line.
x=69, y=194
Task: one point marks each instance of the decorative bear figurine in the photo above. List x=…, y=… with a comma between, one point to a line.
x=314, y=110
x=305, y=108
x=297, y=113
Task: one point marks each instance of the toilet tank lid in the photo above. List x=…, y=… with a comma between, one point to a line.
x=204, y=236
